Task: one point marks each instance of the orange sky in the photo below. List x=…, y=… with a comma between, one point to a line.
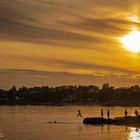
x=58, y=42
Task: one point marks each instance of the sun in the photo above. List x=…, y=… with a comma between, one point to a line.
x=131, y=41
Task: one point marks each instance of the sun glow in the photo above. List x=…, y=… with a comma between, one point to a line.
x=134, y=19
x=131, y=41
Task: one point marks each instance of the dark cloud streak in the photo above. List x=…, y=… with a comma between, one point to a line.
x=23, y=32
x=19, y=20
x=80, y=65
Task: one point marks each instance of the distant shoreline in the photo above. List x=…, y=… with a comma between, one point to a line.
x=72, y=95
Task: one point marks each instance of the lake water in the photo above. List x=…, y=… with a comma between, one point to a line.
x=31, y=123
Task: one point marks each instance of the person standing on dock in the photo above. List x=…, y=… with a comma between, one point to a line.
x=102, y=113
x=125, y=113
x=108, y=114
x=136, y=112
x=79, y=114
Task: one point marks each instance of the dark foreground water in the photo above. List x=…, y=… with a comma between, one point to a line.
x=31, y=123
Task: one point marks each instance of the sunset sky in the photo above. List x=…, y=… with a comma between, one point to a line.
x=63, y=42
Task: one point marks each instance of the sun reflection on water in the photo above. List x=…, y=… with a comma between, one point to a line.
x=134, y=134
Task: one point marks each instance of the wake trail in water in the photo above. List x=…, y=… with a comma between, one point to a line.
x=1, y=134
x=64, y=122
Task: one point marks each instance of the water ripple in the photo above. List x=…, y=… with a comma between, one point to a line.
x=1, y=134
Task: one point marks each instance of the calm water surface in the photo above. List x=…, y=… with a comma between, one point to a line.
x=31, y=123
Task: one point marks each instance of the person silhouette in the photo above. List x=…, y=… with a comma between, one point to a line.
x=102, y=113
x=79, y=114
x=125, y=113
x=136, y=112
x=108, y=114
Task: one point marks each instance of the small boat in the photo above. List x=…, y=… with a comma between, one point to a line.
x=129, y=121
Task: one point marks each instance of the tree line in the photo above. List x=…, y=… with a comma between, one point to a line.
x=106, y=95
